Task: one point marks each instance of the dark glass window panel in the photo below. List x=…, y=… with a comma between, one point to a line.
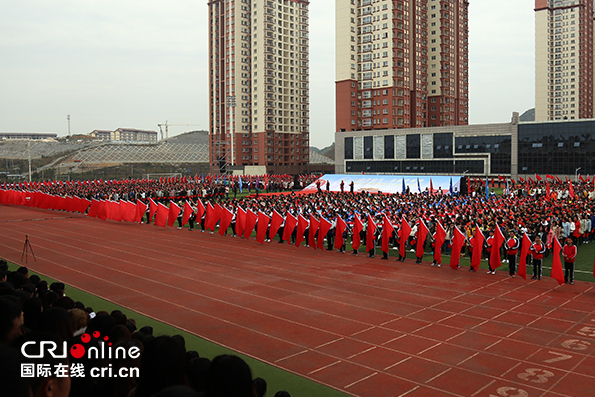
x=389, y=147
x=443, y=145
x=348, y=148
x=368, y=147
x=413, y=146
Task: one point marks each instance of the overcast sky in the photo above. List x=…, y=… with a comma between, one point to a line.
x=135, y=64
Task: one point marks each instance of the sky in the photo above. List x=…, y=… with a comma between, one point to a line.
x=135, y=64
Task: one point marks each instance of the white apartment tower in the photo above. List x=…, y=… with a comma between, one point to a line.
x=563, y=59
x=259, y=84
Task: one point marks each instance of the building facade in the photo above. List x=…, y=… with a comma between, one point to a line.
x=27, y=135
x=259, y=84
x=563, y=59
x=125, y=135
x=562, y=148
x=401, y=64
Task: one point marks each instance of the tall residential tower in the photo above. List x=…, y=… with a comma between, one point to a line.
x=401, y=63
x=258, y=84
x=563, y=59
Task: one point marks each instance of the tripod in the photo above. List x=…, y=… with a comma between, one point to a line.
x=26, y=249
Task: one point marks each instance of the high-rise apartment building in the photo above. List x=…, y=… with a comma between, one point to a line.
x=563, y=59
x=401, y=63
x=258, y=83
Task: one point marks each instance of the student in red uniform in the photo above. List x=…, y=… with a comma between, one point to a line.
x=537, y=250
x=435, y=262
x=512, y=247
x=488, y=243
x=569, y=253
x=471, y=247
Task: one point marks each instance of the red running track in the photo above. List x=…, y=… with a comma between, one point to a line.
x=364, y=326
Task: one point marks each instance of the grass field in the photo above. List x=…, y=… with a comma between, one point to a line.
x=276, y=378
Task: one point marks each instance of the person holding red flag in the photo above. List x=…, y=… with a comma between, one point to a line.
x=422, y=234
x=404, y=233
x=356, y=238
x=387, y=232
x=569, y=253
x=489, y=244
x=437, y=241
x=537, y=250
x=371, y=237
x=478, y=244
x=512, y=247
x=340, y=234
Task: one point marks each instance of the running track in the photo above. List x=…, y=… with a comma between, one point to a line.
x=363, y=326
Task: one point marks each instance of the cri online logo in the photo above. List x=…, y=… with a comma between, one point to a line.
x=78, y=350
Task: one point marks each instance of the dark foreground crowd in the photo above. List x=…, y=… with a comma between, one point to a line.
x=32, y=312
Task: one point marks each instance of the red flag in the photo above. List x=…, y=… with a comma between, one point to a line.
x=525, y=248
x=457, y=245
x=404, y=235
x=581, y=177
x=263, y=225
x=152, y=210
x=174, y=211
x=547, y=189
x=276, y=222
x=113, y=210
x=431, y=186
x=130, y=212
x=251, y=218
x=500, y=177
x=226, y=217
x=325, y=226
x=340, y=229
x=301, y=228
x=478, y=240
x=422, y=234
x=290, y=222
x=314, y=225
x=240, y=222
x=210, y=218
x=387, y=231
x=571, y=189
x=358, y=226
x=438, y=241
x=102, y=211
x=548, y=176
x=557, y=272
x=141, y=208
x=187, y=212
x=93, y=210
x=370, y=234
x=495, y=260
x=521, y=179
x=161, y=215
x=200, y=209
x=538, y=177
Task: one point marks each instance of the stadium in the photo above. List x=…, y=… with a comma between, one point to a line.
x=180, y=261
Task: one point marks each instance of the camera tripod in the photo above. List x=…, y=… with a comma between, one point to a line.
x=26, y=248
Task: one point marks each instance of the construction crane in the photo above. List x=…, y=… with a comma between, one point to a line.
x=166, y=125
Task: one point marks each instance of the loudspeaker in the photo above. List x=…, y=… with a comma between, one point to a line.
x=464, y=186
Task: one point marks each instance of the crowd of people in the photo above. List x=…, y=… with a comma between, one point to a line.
x=169, y=188
x=31, y=312
x=546, y=209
